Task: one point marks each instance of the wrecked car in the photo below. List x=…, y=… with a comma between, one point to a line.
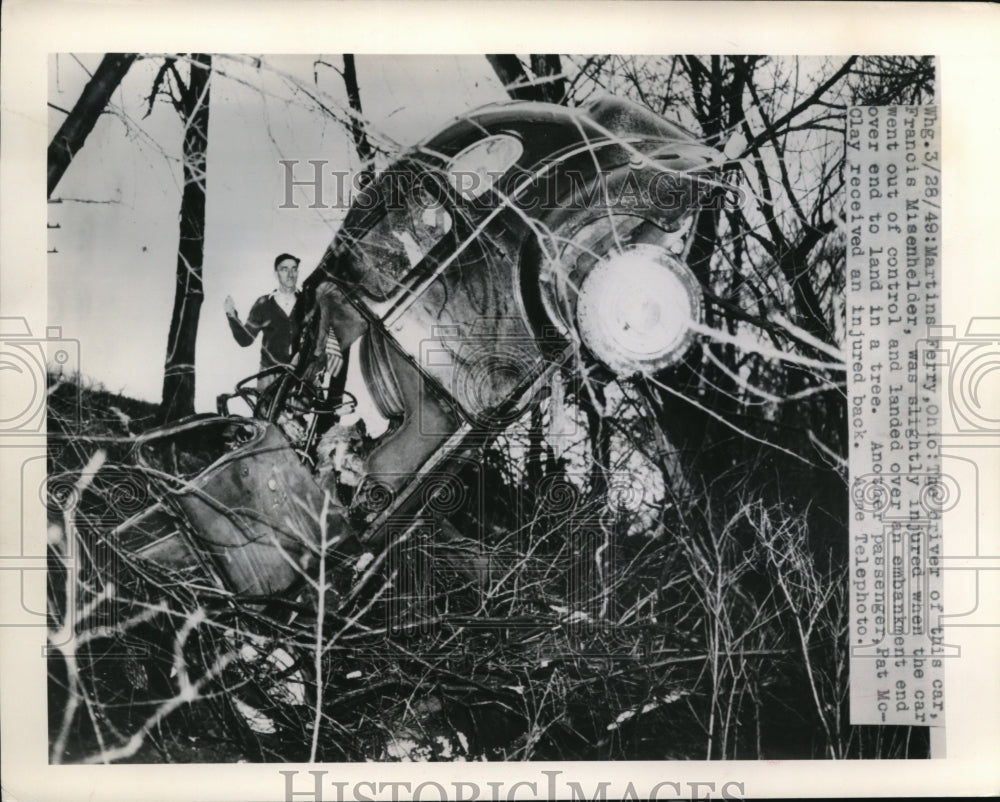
x=522, y=240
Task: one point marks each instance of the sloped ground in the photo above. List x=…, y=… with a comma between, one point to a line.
x=570, y=632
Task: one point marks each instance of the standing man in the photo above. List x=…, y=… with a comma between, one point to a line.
x=272, y=315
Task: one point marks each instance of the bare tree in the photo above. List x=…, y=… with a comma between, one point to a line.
x=81, y=120
x=549, y=66
x=365, y=150
x=191, y=100
x=771, y=267
x=548, y=83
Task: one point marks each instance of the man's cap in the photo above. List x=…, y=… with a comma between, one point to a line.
x=283, y=256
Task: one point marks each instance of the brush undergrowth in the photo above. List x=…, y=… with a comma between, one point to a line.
x=538, y=615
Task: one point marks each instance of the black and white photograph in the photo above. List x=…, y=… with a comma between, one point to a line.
x=553, y=409
x=593, y=502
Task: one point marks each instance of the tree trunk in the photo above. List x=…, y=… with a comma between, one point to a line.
x=515, y=80
x=178, y=375
x=550, y=66
x=81, y=120
x=365, y=151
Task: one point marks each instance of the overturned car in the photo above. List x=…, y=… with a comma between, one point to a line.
x=522, y=240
